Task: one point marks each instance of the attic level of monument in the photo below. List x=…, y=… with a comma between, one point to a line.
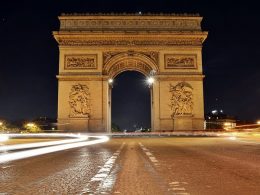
x=130, y=22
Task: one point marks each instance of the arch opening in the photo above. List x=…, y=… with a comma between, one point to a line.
x=130, y=102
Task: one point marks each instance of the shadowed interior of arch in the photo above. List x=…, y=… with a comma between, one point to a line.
x=131, y=102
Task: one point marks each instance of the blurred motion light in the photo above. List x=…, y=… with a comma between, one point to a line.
x=3, y=138
x=258, y=122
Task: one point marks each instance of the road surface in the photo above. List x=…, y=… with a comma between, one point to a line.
x=171, y=165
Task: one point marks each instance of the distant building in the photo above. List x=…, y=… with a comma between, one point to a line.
x=217, y=119
x=46, y=123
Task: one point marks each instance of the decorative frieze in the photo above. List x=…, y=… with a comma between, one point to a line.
x=124, y=24
x=101, y=42
x=181, y=102
x=152, y=55
x=79, y=101
x=177, y=61
x=80, y=61
x=130, y=64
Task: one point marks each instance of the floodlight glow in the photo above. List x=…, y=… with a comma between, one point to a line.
x=258, y=122
x=232, y=138
x=214, y=111
x=110, y=81
x=150, y=80
x=227, y=124
x=30, y=124
x=40, y=151
x=1, y=123
x=3, y=137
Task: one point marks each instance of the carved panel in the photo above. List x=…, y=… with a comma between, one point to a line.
x=80, y=61
x=79, y=101
x=181, y=102
x=176, y=61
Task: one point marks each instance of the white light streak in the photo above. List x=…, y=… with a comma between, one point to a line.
x=41, y=144
x=50, y=149
x=232, y=138
x=3, y=137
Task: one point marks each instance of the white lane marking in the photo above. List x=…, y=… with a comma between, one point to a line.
x=173, y=186
x=102, y=175
x=249, y=142
x=150, y=155
x=174, y=183
x=177, y=189
x=4, y=167
x=239, y=140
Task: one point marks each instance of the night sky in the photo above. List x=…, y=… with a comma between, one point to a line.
x=29, y=53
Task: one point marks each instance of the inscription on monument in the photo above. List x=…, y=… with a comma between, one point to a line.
x=84, y=61
x=181, y=99
x=173, y=61
x=79, y=101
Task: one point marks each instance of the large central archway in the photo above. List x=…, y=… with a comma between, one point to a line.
x=129, y=61
x=130, y=102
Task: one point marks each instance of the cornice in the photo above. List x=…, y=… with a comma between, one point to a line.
x=180, y=77
x=130, y=40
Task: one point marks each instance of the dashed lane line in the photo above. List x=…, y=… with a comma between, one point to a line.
x=175, y=186
x=102, y=179
x=150, y=155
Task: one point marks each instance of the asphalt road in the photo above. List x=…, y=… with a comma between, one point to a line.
x=199, y=166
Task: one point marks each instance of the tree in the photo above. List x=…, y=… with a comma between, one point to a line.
x=115, y=128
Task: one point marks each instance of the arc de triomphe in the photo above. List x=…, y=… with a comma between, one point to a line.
x=97, y=47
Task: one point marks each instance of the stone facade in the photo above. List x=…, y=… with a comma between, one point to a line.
x=95, y=48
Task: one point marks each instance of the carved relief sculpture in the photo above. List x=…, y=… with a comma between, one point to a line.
x=154, y=56
x=84, y=61
x=173, y=61
x=181, y=99
x=79, y=101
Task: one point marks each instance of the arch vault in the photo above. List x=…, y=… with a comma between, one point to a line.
x=97, y=47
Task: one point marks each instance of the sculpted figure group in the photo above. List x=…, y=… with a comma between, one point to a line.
x=181, y=99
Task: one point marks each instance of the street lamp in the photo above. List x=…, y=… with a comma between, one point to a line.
x=150, y=80
x=110, y=81
x=30, y=124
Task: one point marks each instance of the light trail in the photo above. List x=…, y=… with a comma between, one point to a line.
x=50, y=149
x=76, y=138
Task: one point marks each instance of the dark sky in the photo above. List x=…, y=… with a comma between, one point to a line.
x=29, y=53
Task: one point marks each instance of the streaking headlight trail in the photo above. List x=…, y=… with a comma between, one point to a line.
x=75, y=138
x=50, y=149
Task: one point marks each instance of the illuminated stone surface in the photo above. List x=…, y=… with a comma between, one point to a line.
x=96, y=48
